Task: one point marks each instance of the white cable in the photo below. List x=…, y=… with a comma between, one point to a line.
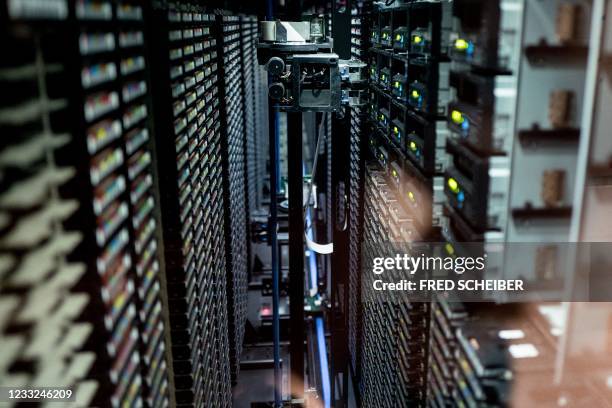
x=323, y=249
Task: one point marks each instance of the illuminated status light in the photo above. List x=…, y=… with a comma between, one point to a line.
x=398, y=37
x=461, y=44
x=449, y=249
x=453, y=185
x=413, y=146
x=394, y=173
x=397, y=84
x=464, y=46
x=415, y=94
x=383, y=77
x=457, y=117
x=411, y=196
x=417, y=39
x=265, y=311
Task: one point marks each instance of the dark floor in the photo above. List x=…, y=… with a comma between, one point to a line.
x=256, y=378
x=257, y=384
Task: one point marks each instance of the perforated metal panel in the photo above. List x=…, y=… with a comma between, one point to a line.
x=236, y=123
x=193, y=204
x=36, y=248
x=357, y=166
x=93, y=104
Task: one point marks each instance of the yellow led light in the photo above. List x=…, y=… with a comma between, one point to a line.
x=396, y=84
x=449, y=249
x=415, y=94
x=413, y=146
x=457, y=117
x=417, y=39
x=395, y=130
x=453, y=185
x=411, y=196
x=398, y=37
x=461, y=44
x=394, y=172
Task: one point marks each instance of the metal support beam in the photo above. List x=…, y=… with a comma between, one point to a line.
x=296, y=252
x=341, y=28
x=273, y=230
x=341, y=128
x=341, y=125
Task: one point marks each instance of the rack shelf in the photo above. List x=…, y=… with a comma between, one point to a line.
x=529, y=212
x=536, y=136
x=546, y=54
x=600, y=173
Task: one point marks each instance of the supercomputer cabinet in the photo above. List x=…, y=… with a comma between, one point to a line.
x=190, y=158
x=93, y=104
x=402, y=198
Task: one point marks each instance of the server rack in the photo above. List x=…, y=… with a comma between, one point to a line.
x=409, y=88
x=107, y=67
x=484, y=50
x=485, y=53
x=100, y=71
x=392, y=326
x=34, y=211
x=189, y=141
x=116, y=131
x=466, y=353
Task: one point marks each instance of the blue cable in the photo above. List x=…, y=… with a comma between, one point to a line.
x=312, y=258
x=320, y=327
x=323, y=362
